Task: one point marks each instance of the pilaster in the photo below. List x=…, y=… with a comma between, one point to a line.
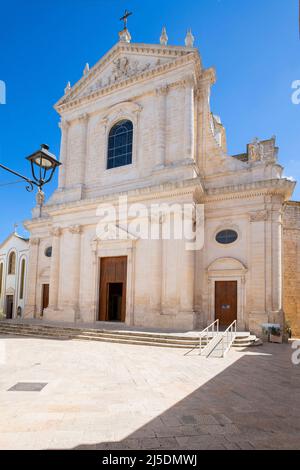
x=31, y=307
x=161, y=120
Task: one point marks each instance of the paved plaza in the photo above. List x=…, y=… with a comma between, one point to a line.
x=94, y=395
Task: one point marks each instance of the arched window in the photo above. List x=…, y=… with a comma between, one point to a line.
x=120, y=144
x=22, y=279
x=1, y=278
x=12, y=263
x=48, y=252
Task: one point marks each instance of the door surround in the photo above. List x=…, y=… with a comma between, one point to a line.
x=114, y=248
x=113, y=272
x=45, y=297
x=227, y=269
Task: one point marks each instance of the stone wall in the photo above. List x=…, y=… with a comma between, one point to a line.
x=291, y=240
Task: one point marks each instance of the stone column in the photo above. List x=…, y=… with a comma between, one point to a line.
x=277, y=263
x=171, y=264
x=71, y=273
x=64, y=126
x=189, y=117
x=258, y=273
x=187, y=279
x=156, y=246
x=55, y=269
x=79, y=176
x=74, y=269
x=202, y=117
x=89, y=281
x=205, y=140
x=187, y=264
x=161, y=119
x=131, y=262
x=30, y=306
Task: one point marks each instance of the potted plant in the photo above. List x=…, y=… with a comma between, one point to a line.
x=287, y=332
x=276, y=334
x=265, y=333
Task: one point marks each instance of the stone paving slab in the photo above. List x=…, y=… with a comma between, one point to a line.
x=114, y=396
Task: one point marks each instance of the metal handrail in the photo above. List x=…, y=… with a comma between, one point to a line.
x=229, y=333
x=205, y=333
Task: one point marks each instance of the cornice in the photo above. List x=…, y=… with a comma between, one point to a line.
x=163, y=191
x=283, y=187
x=64, y=103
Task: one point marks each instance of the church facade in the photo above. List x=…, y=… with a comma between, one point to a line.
x=138, y=126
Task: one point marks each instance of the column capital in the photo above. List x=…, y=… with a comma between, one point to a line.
x=34, y=241
x=63, y=124
x=189, y=81
x=162, y=91
x=55, y=231
x=84, y=117
x=75, y=229
x=259, y=216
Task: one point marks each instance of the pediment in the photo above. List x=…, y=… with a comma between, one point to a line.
x=121, y=63
x=227, y=264
x=10, y=291
x=45, y=273
x=114, y=232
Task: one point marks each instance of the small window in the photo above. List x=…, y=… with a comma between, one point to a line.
x=12, y=263
x=120, y=145
x=22, y=279
x=48, y=252
x=226, y=237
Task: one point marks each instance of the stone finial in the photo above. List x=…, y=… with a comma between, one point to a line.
x=189, y=39
x=86, y=69
x=68, y=87
x=164, y=37
x=125, y=36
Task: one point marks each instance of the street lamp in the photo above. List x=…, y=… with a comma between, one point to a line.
x=43, y=166
x=45, y=163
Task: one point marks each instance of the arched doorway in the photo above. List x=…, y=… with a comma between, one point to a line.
x=226, y=280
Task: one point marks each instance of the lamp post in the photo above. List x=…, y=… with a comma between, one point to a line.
x=43, y=165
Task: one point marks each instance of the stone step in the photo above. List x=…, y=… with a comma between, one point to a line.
x=56, y=329
x=108, y=335
x=102, y=339
x=76, y=331
x=124, y=337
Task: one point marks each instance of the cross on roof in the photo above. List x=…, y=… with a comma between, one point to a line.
x=125, y=18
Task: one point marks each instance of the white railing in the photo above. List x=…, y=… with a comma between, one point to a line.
x=208, y=334
x=228, y=338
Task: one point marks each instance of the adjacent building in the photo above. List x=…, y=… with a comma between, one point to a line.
x=13, y=269
x=291, y=245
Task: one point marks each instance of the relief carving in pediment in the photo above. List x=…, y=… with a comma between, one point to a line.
x=121, y=69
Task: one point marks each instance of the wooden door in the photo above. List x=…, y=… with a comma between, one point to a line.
x=113, y=280
x=226, y=302
x=45, y=297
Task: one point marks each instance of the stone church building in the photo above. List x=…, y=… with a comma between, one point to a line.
x=139, y=124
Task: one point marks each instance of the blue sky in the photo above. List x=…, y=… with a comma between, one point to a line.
x=254, y=45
